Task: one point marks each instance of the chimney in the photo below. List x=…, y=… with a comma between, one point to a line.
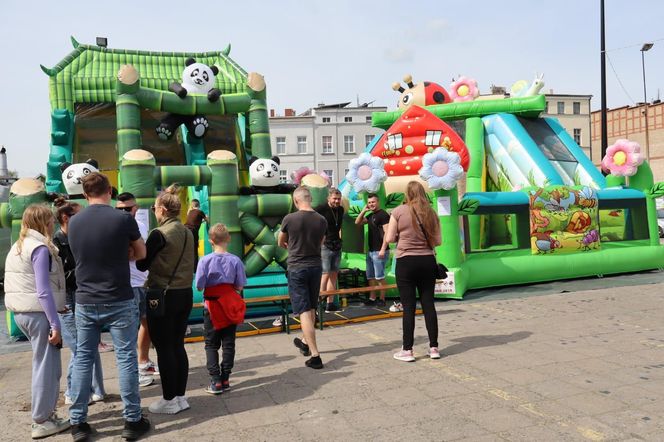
x=271, y=113
x=288, y=112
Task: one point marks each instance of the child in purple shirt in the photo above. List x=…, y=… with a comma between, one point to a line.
x=222, y=276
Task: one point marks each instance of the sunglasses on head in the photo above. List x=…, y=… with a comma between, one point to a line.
x=126, y=209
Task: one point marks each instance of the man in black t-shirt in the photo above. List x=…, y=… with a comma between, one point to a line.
x=331, y=250
x=377, y=222
x=103, y=240
x=302, y=233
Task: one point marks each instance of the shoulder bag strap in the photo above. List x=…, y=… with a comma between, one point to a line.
x=179, y=259
x=426, y=237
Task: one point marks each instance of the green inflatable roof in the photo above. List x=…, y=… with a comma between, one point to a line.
x=88, y=73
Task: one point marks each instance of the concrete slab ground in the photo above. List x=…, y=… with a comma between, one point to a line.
x=586, y=366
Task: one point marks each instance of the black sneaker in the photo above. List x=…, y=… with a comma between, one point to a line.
x=134, y=430
x=304, y=348
x=380, y=302
x=332, y=308
x=370, y=302
x=314, y=362
x=81, y=432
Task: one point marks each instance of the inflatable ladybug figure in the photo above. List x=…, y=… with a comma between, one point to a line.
x=421, y=94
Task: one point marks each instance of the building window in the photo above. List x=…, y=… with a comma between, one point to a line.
x=368, y=139
x=281, y=145
x=283, y=176
x=326, y=119
x=330, y=173
x=348, y=119
x=349, y=144
x=577, y=136
x=327, y=144
x=561, y=107
x=301, y=144
x=576, y=107
x=546, y=107
x=368, y=118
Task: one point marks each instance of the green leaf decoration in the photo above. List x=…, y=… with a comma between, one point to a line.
x=468, y=206
x=354, y=211
x=656, y=191
x=394, y=200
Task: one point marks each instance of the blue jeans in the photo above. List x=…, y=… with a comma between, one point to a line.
x=376, y=266
x=121, y=318
x=69, y=334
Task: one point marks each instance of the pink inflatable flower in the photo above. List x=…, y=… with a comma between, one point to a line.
x=464, y=89
x=622, y=158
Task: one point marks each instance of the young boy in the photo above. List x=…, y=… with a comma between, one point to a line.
x=221, y=276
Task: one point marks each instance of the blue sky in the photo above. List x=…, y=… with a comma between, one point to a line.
x=330, y=51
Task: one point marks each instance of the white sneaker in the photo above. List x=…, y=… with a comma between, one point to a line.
x=97, y=397
x=148, y=369
x=396, y=307
x=278, y=322
x=53, y=425
x=434, y=353
x=70, y=401
x=404, y=355
x=144, y=381
x=184, y=404
x=162, y=406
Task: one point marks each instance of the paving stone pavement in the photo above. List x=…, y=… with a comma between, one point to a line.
x=586, y=366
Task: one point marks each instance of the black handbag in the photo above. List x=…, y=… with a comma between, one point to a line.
x=155, y=298
x=441, y=270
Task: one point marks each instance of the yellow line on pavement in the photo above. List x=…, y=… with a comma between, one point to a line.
x=531, y=408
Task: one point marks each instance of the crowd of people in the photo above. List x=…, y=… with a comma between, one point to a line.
x=101, y=270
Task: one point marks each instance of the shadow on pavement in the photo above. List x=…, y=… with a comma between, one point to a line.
x=471, y=342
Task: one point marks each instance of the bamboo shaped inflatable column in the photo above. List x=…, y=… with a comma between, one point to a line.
x=259, y=128
x=62, y=135
x=448, y=213
x=128, y=110
x=476, y=171
x=137, y=168
x=317, y=186
x=223, y=191
x=24, y=192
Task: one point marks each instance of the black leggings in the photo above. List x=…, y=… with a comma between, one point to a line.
x=167, y=335
x=417, y=274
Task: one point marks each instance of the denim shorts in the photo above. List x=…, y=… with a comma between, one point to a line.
x=304, y=288
x=139, y=297
x=376, y=266
x=331, y=259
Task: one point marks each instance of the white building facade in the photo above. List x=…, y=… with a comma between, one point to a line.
x=324, y=138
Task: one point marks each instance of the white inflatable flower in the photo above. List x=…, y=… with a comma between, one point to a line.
x=441, y=169
x=366, y=173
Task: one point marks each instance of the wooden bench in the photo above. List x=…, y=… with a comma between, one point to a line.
x=282, y=301
x=345, y=293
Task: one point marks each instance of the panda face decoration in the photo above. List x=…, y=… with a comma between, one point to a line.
x=264, y=172
x=73, y=174
x=198, y=78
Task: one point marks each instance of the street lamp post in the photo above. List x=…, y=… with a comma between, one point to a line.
x=646, y=47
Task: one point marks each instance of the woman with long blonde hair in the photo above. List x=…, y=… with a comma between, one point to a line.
x=416, y=229
x=35, y=292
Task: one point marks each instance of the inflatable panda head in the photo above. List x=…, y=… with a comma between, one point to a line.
x=198, y=78
x=72, y=174
x=264, y=172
